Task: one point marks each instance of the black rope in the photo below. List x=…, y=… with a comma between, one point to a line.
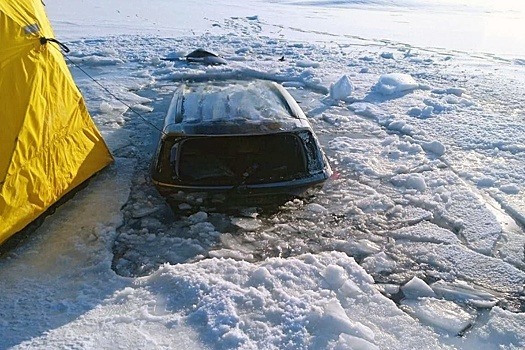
x=44, y=40
x=64, y=47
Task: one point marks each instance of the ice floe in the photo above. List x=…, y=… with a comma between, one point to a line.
x=393, y=83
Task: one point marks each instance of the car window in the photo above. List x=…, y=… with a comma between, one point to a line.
x=230, y=160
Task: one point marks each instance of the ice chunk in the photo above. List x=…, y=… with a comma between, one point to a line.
x=350, y=289
x=388, y=288
x=456, y=91
x=97, y=61
x=307, y=64
x=510, y=189
x=461, y=291
x=414, y=112
x=416, y=288
x=400, y=126
x=442, y=314
x=335, y=320
x=198, y=217
x=485, y=182
x=248, y=224
x=230, y=253
x=112, y=108
x=143, y=211
x=366, y=109
x=362, y=246
x=392, y=83
x=427, y=111
x=184, y=206
x=347, y=341
x=335, y=276
x=379, y=262
x=387, y=55
x=435, y=147
x=316, y=208
x=411, y=181
x=342, y=89
x=425, y=231
x=260, y=276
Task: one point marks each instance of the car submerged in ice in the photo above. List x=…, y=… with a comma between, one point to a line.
x=243, y=140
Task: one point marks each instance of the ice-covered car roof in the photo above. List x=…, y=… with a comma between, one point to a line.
x=233, y=107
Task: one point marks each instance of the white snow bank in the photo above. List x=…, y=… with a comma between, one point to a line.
x=326, y=301
x=65, y=270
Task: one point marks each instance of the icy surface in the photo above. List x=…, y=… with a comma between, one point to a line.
x=393, y=83
x=441, y=314
x=341, y=89
x=254, y=101
x=416, y=242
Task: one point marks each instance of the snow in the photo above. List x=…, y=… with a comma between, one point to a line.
x=416, y=288
x=253, y=101
x=392, y=83
x=341, y=89
x=416, y=242
x=441, y=314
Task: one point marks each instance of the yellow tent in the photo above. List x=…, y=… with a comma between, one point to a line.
x=48, y=141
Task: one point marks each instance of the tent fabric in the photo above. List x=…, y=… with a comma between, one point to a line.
x=48, y=141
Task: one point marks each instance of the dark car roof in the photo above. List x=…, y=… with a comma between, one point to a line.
x=233, y=107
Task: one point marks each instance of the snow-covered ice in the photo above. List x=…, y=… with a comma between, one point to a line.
x=392, y=83
x=341, y=89
x=416, y=242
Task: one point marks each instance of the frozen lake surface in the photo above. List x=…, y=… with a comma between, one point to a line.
x=482, y=26
x=416, y=242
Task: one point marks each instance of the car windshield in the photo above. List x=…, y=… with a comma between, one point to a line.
x=234, y=160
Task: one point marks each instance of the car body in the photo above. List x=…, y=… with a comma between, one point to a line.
x=232, y=140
